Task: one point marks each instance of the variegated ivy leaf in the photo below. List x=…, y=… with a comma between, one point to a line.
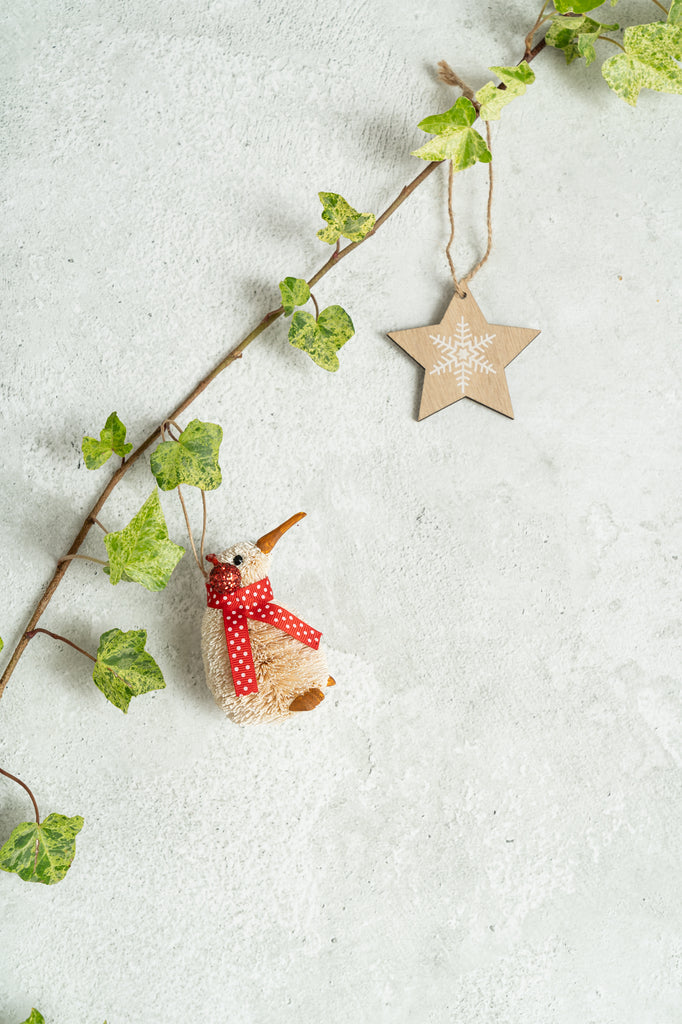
x=576, y=36
x=111, y=442
x=322, y=338
x=343, y=220
x=141, y=552
x=124, y=669
x=295, y=292
x=455, y=139
x=492, y=99
x=579, y=6
x=192, y=459
x=649, y=62
x=35, y=1018
x=42, y=853
x=675, y=13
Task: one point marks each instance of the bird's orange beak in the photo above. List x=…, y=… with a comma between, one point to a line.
x=268, y=541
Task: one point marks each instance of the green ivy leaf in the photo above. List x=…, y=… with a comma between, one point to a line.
x=579, y=6
x=322, y=338
x=141, y=552
x=42, y=853
x=455, y=139
x=343, y=220
x=576, y=36
x=492, y=99
x=2, y=643
x=649, y=61
x=295, y=292
x=111, y=442
x=124, y=669
x=675, y=13
x=35, y=1018
x=192, y=459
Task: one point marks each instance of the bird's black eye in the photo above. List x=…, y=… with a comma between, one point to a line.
x=237, y=560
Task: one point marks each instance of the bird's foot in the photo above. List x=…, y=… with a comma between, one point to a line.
x=306, y=701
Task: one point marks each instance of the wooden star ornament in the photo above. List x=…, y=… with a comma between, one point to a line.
x=464, y=357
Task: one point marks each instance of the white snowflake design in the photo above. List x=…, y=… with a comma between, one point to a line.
x=463, y=354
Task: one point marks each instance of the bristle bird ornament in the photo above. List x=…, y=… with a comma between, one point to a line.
x=262, y=662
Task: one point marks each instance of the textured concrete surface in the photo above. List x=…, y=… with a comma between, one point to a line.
x=481, y=823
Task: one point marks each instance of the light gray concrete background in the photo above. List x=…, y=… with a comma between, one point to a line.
x=481, y=824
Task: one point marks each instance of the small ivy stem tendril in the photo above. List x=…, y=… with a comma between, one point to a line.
x=33, y=799
x=614, y=41
x=86, y=558
x=529, y=38
x=56, y=636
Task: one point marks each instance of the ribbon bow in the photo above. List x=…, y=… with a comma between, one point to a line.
x=254, y=602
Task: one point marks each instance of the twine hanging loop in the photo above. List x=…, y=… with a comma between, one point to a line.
x=447, y=75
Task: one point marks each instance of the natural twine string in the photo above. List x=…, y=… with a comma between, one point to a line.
x=447, y=75
x=166, y=427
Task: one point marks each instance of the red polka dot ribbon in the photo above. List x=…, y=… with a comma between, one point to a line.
x=254, y=602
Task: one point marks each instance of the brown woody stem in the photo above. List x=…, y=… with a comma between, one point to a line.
x=33, y=799
x=236, y=353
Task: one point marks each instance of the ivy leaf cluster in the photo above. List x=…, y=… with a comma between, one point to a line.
x=651, y=52
x=141, y=552
x=112, y=441
x=42, y=852
x=576, y=36
x=322, y=336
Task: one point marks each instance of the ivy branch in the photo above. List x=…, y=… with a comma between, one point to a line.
x=142, y=551
x=647, y=62
x=236, y=353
